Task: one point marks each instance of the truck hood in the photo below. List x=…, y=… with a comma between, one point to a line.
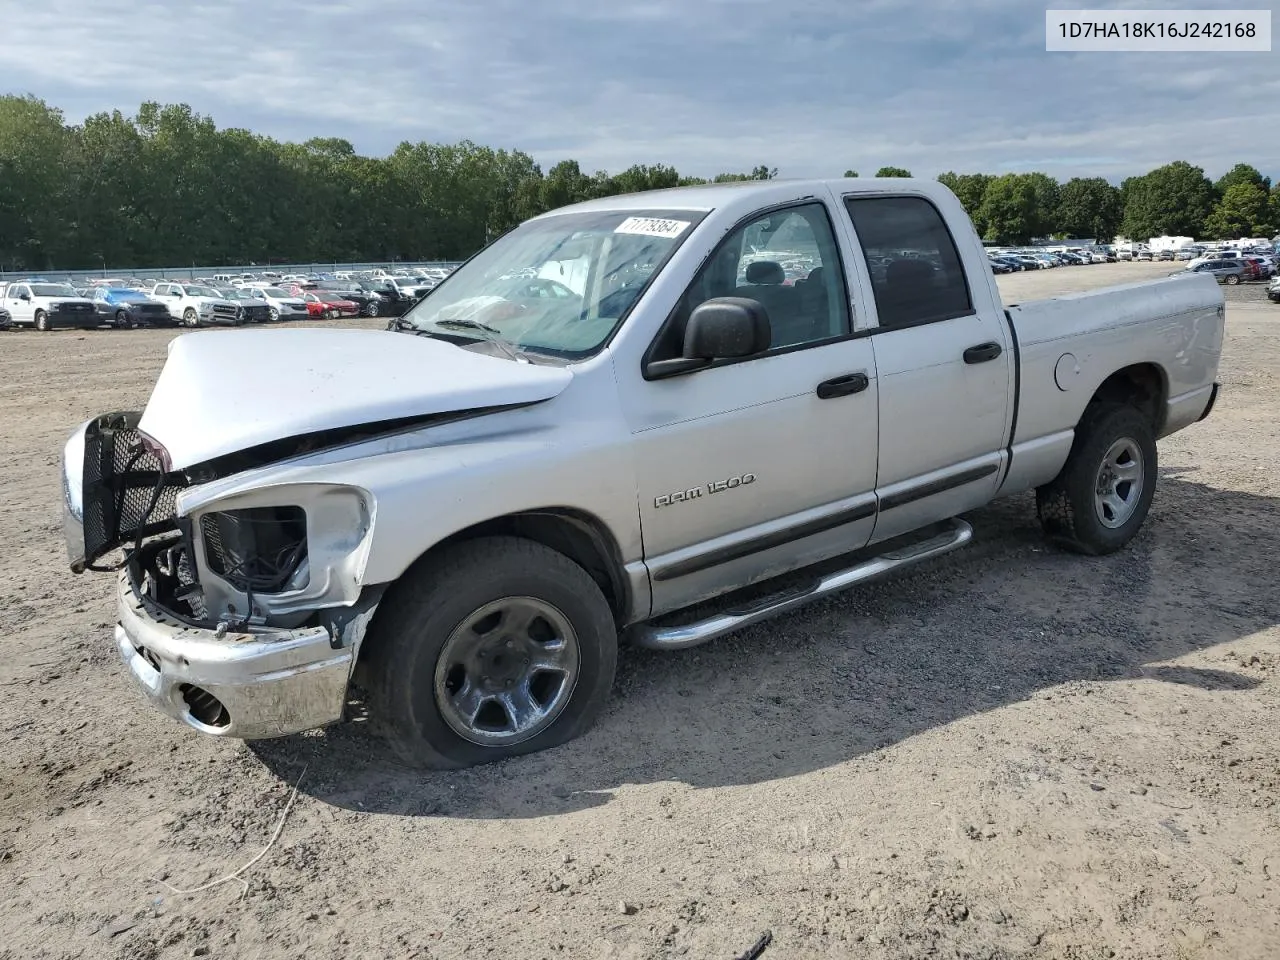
x=225, y=392
x=212, y=301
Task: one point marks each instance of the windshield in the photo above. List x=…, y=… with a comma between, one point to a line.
x=275, y=292
x=128, y=296
x=197, y=291
x=559, y=285
x=53, y=290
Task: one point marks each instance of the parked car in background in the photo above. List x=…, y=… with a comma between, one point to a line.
x=126, y=308
x=1266, y=269
x=999, y=266
x=47, y=306
x=281, y=304
x=330, y=306
x=1165, y=255
x=6, y=319
x=1227, y=271
x=368, y=302
x=1144, y=255
x=1273, y=290
x=252, y=309
x=395, y=301
x=196, y=304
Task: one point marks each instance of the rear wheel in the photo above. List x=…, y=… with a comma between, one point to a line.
x=495, y=647
x=1233, y=279
x=1099, y=501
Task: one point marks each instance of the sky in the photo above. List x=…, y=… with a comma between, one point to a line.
x=812, y=87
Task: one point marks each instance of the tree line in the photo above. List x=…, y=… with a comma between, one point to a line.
x=167, y=187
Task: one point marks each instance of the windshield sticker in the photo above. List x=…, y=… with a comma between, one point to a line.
x=652, y=227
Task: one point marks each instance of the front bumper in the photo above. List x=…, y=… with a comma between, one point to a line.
x=269, y=682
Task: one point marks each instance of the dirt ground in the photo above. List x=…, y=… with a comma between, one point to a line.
x=1011, y=753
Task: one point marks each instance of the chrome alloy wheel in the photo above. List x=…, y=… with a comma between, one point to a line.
x=1119, y=485
x=507, y=671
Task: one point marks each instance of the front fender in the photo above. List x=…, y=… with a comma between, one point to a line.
x=424, y=487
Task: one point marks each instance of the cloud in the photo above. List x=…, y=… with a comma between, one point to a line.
x=810, y=86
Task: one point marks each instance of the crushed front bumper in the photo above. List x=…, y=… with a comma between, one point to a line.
x=266, y=682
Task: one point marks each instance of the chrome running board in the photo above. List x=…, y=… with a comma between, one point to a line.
x=686, y=635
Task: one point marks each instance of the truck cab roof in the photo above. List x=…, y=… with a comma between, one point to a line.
x=750, y=195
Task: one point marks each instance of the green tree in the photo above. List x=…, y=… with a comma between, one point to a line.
x=1009, y=209
x=1244, y=211
x=850, y=174
x=1172, y=200
x=893, y=172
x=758, y=173
x=969, y=188
x=1242, y=173
x=35, y=201
x=1089, y=207
x=1047, y=193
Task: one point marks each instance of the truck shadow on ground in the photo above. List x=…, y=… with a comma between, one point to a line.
x=985, y=627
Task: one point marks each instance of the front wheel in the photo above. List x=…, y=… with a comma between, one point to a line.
x=273, y=315
x=122, y=320
x=1100, y=499
x=190, y=318
x=495, y=647
x=42, y=320
x=371, y=310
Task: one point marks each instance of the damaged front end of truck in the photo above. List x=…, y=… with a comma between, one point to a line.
x=240, y=615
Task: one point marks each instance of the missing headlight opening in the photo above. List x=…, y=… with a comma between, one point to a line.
x=257, y=550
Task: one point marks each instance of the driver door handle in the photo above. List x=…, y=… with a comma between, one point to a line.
x=843, y=386
x=982, y=353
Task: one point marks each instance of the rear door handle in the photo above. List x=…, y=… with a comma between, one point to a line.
x=843, y=386
x=982, y=353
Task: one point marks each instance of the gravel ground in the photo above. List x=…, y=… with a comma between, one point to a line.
x=1009, y=753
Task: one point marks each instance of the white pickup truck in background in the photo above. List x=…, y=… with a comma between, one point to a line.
x=758, y=394
x=197, y=305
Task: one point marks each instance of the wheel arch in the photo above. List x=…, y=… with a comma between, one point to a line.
x=578, y=535
x=1143, y=386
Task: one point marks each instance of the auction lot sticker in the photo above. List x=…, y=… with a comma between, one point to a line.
x=1140, y=31
x=652, y=227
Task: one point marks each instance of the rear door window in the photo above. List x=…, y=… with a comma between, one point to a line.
x=917, y=276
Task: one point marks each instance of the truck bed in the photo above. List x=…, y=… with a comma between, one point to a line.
x=1069, y=345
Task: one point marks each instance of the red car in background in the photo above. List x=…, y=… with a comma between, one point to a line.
x=331, y=307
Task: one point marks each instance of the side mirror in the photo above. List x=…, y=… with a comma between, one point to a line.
x=719, y=329
x=24, y=296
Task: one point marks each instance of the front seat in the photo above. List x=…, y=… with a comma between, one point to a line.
x=766, y=272
x=765, y=285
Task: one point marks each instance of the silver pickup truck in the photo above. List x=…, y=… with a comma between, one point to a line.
x=655, y=418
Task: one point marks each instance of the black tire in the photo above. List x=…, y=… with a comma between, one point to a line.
x=42, y=321
x=372, y=309
x=1233, y=279
x=1066, y=505
x=273, y=315
x=190, y=317
x=397, y=667
x=122, y=320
